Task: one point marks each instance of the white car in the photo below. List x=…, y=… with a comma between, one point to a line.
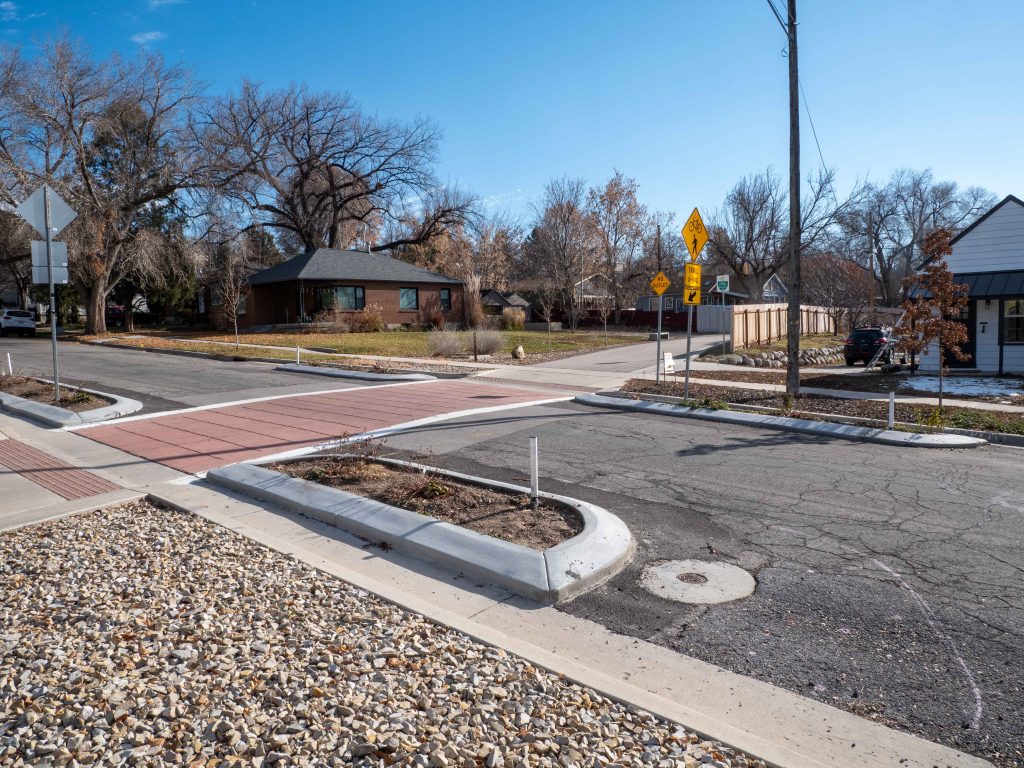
x=17, y=321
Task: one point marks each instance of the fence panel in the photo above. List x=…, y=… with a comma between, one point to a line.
x=756, y=324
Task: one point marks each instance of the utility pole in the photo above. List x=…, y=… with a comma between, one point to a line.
x=793, y=315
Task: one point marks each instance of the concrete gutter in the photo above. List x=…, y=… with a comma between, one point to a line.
x=787, y=424
x=599, y=551
x=53, y=416
x=342, y=373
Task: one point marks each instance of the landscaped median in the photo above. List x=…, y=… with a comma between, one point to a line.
x=719, y=411
x=599, y=546
x=34, y=399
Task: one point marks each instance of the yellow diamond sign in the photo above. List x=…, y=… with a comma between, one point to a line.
x=691, y=296
x=660, y=283
x=694, y=234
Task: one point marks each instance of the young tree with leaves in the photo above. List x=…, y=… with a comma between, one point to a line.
x=936, y=299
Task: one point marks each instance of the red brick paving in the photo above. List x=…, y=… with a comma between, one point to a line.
x=51, y=473
x=200, y=440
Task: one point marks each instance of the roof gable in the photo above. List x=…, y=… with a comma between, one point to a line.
x=984, y=216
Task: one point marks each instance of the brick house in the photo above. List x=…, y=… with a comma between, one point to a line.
x=295, y=290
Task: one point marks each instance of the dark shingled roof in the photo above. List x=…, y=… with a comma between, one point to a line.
x=350, y=266
x=986, y=285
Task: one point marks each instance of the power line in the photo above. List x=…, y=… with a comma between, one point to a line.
x=810, y=120
x=779, y=17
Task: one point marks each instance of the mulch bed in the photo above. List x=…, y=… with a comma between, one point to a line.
x=962, y=418
x=70, y=399
x=484, y=510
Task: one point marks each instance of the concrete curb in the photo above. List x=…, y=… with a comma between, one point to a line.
x=53, y=416
x=787, y=424
x=602, y=549
x=341, y=373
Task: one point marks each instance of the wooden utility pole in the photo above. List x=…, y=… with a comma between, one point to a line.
x=793, y=317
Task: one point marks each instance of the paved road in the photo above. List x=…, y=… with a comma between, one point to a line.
x=889, y=582
x=161, y=382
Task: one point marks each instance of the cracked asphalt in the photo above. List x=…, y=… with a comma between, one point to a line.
x=890, y=582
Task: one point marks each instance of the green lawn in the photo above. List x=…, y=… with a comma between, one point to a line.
x=415, y=343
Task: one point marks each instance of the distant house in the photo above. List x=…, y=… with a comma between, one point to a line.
x=774, y=290
x=988, y=257
x=295, y=290
x=594, y=291
x=494, y=302
x=674, y=301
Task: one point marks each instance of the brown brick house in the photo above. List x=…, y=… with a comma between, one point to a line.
x=296, y=290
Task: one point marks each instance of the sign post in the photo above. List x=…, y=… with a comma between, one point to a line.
x=722, y=286
x=659, y=285
x=48, y=214
x=695, y=235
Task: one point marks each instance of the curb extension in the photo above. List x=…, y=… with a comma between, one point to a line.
x=55, y=416
x=553, y=575
x=787, y=424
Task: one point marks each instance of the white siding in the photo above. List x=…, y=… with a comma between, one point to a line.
x=995, y=245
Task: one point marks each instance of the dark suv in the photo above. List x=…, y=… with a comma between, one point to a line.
x=863, y=343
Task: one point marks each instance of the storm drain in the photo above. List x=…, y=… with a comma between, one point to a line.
x=697, y=582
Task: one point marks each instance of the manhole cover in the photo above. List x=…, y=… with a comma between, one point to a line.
x=697, y=582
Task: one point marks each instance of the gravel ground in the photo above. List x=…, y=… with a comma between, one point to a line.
x=41, y=392
x=142, y=636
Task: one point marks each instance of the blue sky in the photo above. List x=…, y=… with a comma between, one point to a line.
x=686, y=97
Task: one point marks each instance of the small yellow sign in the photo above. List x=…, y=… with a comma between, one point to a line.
x=691, y=296
x=660, y=283
x=691, y=275
x=695, y=235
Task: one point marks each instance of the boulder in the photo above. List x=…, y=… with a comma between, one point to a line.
x=519, y=353
x=732, y=359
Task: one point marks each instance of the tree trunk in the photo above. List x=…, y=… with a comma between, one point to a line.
x=95, y=308
x=235, y=321
x=129, y=315
x=942, y=369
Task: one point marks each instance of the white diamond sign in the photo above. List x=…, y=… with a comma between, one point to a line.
x=33, y=210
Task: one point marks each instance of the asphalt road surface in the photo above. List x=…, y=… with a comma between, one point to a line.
x=161, y=382
x=889, y=581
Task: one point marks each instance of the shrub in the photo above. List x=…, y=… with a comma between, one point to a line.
x=488, y=342
x=370, y=319
x=432, y=313
x=332, y=320
x=444, y=343
x=472, y=307
x=513, y=319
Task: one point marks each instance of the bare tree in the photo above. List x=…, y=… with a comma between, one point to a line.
x=113, y=138
x=316, y=167
x=619, y=222
x=749, y=236
x=562, y=247
x=231, y=262
x=15, y=255
x=844, y=288
x=887, y=229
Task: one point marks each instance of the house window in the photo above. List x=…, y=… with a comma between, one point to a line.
x=1013, y=321
x=446, y=299
x=408, y=298
x=670, y=303
x=345, y=297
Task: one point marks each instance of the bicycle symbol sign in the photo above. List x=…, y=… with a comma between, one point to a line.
x=694, y=234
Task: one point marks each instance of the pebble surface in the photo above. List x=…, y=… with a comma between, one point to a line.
x=143, y=636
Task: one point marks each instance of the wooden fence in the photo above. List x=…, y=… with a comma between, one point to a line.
x=755, y=324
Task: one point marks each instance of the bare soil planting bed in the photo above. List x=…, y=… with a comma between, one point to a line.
x=807, y=405
x=484, y=510
x=143, y=636
x=41, y=392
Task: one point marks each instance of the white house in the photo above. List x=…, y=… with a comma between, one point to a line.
x=988, y=257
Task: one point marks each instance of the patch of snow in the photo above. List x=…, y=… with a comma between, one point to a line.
x=966, y=385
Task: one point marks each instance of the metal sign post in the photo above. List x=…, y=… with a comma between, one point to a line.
x=695, y=235
x=48, y=214
x=659, y=285
x=53, y=294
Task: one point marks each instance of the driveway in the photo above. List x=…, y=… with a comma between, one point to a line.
x=889, y=582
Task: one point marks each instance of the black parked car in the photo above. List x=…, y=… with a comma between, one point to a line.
x=863, y=343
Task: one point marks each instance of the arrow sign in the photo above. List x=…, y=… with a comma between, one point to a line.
x=33, y=210
x=692, y=296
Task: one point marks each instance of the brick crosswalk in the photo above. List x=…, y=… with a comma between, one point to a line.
x=198, y=440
